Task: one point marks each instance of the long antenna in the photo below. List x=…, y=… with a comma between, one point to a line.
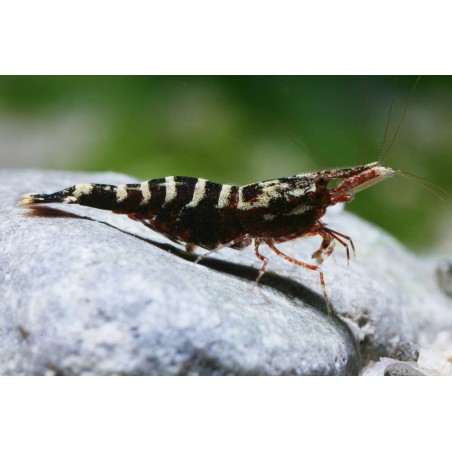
x=365, y=110
x=388, y=122
x=385, y=155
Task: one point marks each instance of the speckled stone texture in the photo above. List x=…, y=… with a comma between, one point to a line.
x=84, y=291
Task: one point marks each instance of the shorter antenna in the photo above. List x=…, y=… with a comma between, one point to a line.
x=432, y=188
x=315, y=157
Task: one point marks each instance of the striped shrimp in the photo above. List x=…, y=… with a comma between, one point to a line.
x=198, y=212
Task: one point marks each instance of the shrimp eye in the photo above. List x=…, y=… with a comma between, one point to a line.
x=322, y=180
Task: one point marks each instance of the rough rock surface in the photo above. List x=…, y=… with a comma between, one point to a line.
x=84, y=291
x=389, y=367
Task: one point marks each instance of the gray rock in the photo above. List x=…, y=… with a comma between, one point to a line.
x=402, y=370
x=406, y=351
x=84, y=291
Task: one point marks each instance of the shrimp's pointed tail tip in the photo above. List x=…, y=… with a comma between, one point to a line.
x=30, y=198
x=39, y=198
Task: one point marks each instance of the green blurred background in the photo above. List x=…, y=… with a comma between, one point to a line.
x=241, y=130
